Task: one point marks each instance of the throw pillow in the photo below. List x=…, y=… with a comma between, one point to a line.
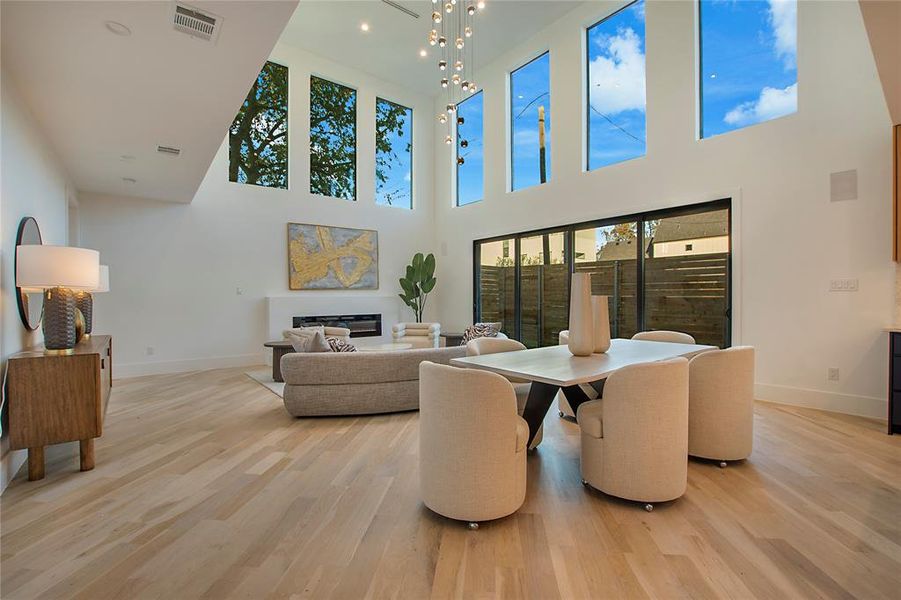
x=339, y=345
x=318, y=343
x=300, y=337
x=480, y=330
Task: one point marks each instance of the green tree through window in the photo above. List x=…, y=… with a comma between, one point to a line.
x=258, y=138
x=393, y=154
x=333, y=139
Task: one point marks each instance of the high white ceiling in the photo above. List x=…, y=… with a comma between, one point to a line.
x=99, y=96
x=390, y=49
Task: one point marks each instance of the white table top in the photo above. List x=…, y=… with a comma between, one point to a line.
x=556, y=366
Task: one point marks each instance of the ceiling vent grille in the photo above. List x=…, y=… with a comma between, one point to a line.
x=168, y=150
x=196, y=23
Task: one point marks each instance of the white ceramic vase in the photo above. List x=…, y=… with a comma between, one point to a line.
x=601, y=330
x=581, y=320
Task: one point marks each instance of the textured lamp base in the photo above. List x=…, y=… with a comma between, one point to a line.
x=84, y=301
x=59, y=321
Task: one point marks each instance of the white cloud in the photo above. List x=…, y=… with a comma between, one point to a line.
x=617, y=80
x=783, y=16
x=772, y=103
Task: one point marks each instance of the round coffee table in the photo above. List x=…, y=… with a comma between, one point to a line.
x=388, y=347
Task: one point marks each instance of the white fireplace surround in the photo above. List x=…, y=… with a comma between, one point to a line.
x=282, y=309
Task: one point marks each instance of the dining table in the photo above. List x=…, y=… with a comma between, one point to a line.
x=551, y=369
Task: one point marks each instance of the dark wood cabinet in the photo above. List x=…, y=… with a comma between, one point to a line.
x=55, y=399
x=894, y=385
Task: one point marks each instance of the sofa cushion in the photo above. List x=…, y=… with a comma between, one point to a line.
x=339, y=345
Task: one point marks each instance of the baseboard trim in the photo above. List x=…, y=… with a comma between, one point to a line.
x=10, y=464
x=849, y=404
x=123, y=371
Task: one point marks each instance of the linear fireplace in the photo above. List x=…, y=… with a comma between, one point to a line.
x=368, y=325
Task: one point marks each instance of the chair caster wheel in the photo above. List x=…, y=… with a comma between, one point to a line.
x=473, y=526
x=561, y=414
x=585, y=483
x=649, y=507
x=723, y=464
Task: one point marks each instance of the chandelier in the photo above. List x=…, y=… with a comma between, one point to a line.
x=452, y=32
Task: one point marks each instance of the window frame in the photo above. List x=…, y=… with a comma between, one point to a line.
x=356, y=92
x=728, y=203
x=587, y=89
x=510, y=133
x=412, y=148
x=457, y=151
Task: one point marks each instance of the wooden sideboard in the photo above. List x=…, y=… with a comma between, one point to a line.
x=55, y=399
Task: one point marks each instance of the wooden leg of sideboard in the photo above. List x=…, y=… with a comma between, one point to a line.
x=35, y=463
x=87, y=454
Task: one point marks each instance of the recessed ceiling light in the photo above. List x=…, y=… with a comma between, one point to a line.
x=117, y=28
x=364, y=26
x=129, y=180
x=423, y=53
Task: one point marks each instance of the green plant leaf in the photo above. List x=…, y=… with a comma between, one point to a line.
x=429, y=285
x=428, y=267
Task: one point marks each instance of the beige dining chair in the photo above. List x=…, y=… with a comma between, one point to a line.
x=472, y=444
x=635, y=439
x=662, y=335
x=721, y=404
x=522, y=387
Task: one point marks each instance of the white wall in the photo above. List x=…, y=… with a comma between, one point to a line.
x=175, y=268
x=790, y=239
x=32, y=183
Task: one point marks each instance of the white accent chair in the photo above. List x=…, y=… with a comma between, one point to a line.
x=522, y=387
x=635, y=440
x=472, y=444
x=420, y=335
x=721, y=404
x=662, y=335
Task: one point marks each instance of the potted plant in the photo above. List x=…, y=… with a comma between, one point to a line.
x=418, y=282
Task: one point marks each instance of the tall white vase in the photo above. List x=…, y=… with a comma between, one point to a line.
x=601, y=312
x=581, y=321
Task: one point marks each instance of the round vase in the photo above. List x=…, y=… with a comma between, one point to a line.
x=581, y=321
x=601, y=312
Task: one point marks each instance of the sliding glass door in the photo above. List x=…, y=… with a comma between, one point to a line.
x=660, y=270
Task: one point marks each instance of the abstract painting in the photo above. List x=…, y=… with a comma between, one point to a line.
x=332, y=258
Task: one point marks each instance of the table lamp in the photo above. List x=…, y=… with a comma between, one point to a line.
x=60, y=271
x=84, y=299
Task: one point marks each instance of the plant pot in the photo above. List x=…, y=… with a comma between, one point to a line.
x=581, y=321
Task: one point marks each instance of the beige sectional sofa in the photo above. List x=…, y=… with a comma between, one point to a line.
x=357, y=383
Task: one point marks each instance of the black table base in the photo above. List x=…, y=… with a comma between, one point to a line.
x=541, y=396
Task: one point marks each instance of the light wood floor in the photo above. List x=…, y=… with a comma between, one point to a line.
x=205, y=488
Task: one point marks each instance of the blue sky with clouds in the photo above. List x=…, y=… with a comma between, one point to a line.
x=530, y=87
x=398, y=187
x=749, y=70
x=616, y=84
x=470, y=175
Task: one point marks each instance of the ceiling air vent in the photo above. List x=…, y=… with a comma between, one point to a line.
x=168, y=150
x=196, y=23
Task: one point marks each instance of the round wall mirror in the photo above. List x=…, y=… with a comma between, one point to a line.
x=31, y=302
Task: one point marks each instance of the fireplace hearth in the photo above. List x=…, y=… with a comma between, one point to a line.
x=361, y=325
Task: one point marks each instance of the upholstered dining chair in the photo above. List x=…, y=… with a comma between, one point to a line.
x=419, y=335
x=721, y=404
x=635, y=440
x=522, y=387
x=563, y=407
x=472, y=444
x=662, y=335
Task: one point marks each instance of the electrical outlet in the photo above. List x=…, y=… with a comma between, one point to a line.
x=843, y=285
x=150, y=350
x=832, y=374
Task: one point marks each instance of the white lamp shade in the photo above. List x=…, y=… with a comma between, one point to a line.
x=41, y=266
x=103, y=285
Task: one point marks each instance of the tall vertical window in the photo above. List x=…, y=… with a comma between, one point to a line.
x=333, y=139
x=616, y=87
x=470, y=151
x=258, y=138
x=497, y=281
x=530, y=123
x=393, y=154
x=748, y=70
